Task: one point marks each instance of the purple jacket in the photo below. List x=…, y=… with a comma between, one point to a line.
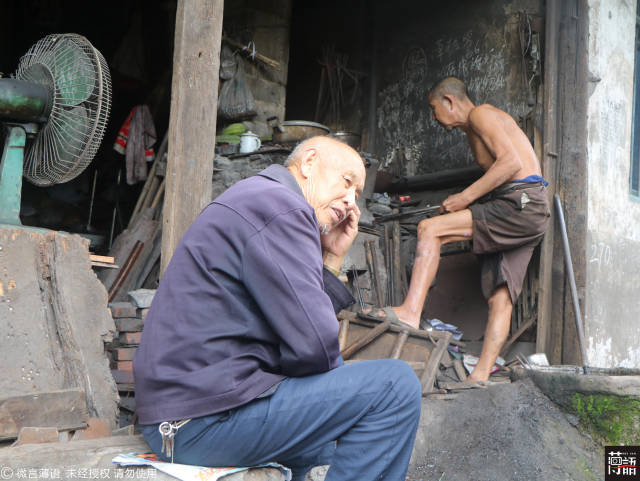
x=244, y=303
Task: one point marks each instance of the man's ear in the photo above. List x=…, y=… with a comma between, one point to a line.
x=307, y=162
x=447, y=100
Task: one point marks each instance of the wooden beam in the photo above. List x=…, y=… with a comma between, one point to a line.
x=548, y=162
x=105, y=259
x=432, y=335
x=370, y=336
x=507, y=345
x=192, y=122
x=428, y=377
x=65, y=409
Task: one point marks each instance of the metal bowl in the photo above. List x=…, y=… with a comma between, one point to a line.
x=297, y=130
x=350, y=138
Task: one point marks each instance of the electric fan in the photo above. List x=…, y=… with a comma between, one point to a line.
x=54, y=113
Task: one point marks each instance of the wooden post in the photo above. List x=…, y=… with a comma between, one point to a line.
x=544, y=339
x=192, y=122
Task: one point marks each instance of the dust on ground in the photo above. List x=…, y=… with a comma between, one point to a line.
x=507, y=432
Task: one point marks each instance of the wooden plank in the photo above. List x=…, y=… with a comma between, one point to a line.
x=526, y=325
x=353, y=317
x=64, y=409
x=104, y=264
x=143, y=194
x=126, y=270
x=548, y=161
x=400, y=342
x=142, y=230
x=446, y=360
x=29, y=435
x=459, y=368
x=196, y=62
x=342, y=333
x=105, y=259
x=433, y=362
x=365, y=339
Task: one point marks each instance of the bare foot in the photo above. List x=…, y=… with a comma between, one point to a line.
x=478, y=375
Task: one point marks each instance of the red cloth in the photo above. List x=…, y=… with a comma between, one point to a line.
x=135, y=140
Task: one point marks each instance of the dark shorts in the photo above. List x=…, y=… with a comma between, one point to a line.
x=508, y=224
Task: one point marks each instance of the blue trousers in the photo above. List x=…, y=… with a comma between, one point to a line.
x=360, y=418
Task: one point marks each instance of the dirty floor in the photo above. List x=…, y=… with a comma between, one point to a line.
x=507, y=432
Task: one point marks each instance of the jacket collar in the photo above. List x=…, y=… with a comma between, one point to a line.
x=281, y=174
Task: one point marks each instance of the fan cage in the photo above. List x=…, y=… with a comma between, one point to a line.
x=79, y=82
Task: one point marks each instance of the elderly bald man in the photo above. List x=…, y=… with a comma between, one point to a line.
x=242, y=339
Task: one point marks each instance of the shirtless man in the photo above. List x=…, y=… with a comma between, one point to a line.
x=505, y=212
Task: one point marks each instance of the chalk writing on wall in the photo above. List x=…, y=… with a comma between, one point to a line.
x=600, y=254
x=409, y=140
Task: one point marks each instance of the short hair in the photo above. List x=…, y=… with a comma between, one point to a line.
x=292, y=159
x=449, y=86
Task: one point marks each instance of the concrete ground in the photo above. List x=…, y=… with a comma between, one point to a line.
x=507, y=432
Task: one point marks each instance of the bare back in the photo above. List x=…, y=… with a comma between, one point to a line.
x=500, y=124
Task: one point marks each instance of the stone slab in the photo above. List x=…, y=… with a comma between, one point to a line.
x=75, y=457
x=61, y=410
x=561, y=386
x=53, y=319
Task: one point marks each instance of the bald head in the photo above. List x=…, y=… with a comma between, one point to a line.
x=449, y=86
x=331, y=176
x=328, y=147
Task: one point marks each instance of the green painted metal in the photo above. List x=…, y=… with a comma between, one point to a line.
x=11, y=175
x=24, y=101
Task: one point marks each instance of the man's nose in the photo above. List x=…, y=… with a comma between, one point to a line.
x=350, y=197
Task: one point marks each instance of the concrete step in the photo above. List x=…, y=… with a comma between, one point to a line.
x=91, y=459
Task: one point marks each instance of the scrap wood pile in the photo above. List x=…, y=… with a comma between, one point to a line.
x=437, y=358
x=137, y=249
x=50, y=417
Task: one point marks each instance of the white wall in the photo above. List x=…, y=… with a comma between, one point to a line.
x=612, y=295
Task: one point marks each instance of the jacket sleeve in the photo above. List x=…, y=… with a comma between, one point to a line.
x=282, y=270
x=340, y=296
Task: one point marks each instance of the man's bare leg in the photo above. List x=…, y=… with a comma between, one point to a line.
x=495, y=334
x=432, y=234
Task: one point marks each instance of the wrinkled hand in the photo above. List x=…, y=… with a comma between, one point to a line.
x=339, y=239
x=454, y=203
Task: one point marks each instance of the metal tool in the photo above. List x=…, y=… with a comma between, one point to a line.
x=370, y=251
x=572, y=282
x=356, y=281
x=408, y=213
